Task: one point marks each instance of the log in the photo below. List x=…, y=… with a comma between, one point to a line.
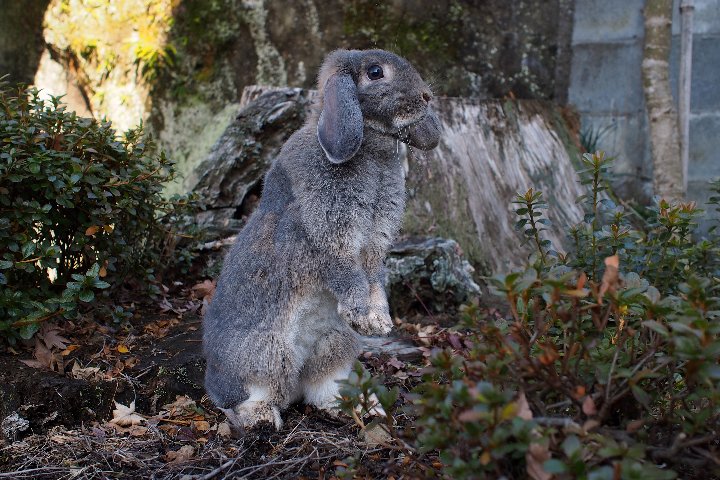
x=489, y=151
x=462, y=190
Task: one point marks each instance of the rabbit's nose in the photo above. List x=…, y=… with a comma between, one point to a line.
x=427, y=96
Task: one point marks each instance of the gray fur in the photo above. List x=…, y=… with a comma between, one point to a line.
x=340, y=128
x=306, y=272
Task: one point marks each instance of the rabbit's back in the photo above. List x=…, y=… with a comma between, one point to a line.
x=306, y=273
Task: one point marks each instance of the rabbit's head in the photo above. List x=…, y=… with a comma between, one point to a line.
x=375, y=89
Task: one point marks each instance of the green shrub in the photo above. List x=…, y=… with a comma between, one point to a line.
x=80, y=211
x=606, y=364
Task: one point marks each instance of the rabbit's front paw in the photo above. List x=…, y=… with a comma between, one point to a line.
x=380, y=322
x=355, y=316
x=374, y=322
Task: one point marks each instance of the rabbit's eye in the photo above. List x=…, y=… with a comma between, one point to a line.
x=375, y=72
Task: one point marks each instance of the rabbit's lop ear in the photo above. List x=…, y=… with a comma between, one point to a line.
x=340, y=128
x=425, y=135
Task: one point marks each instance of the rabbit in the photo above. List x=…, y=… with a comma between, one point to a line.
x=305, y=275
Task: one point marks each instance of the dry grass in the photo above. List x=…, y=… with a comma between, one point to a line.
x=309, y=446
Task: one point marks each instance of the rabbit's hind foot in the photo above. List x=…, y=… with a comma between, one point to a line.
x=254, y=410
x=323, y=392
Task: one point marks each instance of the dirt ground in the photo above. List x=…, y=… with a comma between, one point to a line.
x=125, y=400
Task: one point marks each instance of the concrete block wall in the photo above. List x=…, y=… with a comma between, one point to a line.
x=704, y=162
x=606, y=88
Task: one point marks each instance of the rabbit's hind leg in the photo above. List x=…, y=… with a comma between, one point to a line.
x=331, y=360
x=257, y=408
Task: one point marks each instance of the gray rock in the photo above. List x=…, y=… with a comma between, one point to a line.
x=231, y=176
x=428, y=274
x=392, y=347
x=12, y=425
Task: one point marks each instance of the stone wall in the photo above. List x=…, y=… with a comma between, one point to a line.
x=704, y=162
x=489, y=150
x=606, y=88
x=489, y=49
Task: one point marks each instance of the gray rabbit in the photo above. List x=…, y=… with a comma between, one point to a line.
x=306, y=272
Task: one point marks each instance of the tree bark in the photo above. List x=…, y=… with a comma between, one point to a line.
x=463, y=189
x=663, y=120
x=21, y=38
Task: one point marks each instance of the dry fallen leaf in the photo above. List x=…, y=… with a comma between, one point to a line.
x=161, y=328
x=61, y=439
x=470, y=416
x=524, y=411
x=201, y=425
x=137, y=431
x=181, y=403
x=69, y=350
x=425, y=334
x=185, y=453
x=44, y=358
x=131, y=362
x=549, y=355
x=634, y=426
x=122, y=348
x=204, y=290
x=126, y=416
x=223, y=429
x=590, y=425
x=375, y=435
x=92, y=230
x=588, y=406
x=536, y=455
x=87, y=373
x=50, y=336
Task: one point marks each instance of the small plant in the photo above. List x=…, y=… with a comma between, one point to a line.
x=81, y=211
x=531, y=218
x=606, y=364
x=590, y=137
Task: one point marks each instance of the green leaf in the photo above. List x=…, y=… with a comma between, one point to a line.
x=94, y=270
x=28, y=249
x=640, y=395
x=5, y=264
x=554, y=466
x=656, y=327
x=571, y=445
x=86, y=296
x=603, y=473
x=26, y=332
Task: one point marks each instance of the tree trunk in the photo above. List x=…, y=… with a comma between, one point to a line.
x=663, y=121
x=21, y=38
x=462, y=190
